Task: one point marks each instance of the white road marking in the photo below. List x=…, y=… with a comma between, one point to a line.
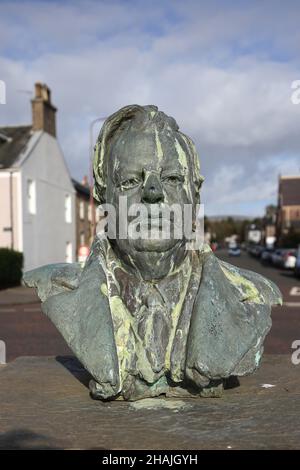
x=288, y=304
x=33, y=309
x=291, y=304
x=14, y=309
x=295, y=291
x=267, y=385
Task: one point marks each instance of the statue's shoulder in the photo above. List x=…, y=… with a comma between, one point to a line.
x=249, y=285
x=252, y=286
x=53, y=279
x=230, y=319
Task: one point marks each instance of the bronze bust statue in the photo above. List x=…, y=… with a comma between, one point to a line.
x=146, y=315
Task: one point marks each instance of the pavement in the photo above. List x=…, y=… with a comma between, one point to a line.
x=45, y=404
x=26, y=331
x=23, y=327
x=19, y=295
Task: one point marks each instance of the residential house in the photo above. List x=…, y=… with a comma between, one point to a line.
x=85, y=214
x=288, y=214
x=37, y=197
x=269, y=226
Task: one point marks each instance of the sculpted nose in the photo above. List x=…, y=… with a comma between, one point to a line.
x=152, y=192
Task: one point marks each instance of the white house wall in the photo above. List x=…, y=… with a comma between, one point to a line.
x=46, y=233
x=10, y=238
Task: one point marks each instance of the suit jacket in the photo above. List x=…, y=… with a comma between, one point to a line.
x=230, y=318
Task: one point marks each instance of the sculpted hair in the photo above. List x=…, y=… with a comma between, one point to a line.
x=138, y=118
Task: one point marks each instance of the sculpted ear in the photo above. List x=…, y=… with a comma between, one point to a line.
x=198, y=184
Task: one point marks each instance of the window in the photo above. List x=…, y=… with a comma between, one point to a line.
x=89, y=213
x=68, y=209
x=98, y=214
x=82, y=239
x=69, y=252
x=81, y=210
x=31, y=197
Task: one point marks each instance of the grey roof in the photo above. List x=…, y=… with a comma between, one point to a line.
x=290, y=191
x=80, y=188
x=12, y=141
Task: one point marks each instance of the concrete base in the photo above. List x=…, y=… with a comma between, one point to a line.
x=45, y=403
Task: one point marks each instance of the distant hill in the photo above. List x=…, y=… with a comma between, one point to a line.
x=218, y=218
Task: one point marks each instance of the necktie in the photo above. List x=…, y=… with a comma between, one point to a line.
x=154, y=325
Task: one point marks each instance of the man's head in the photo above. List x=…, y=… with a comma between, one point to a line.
x=141, y=154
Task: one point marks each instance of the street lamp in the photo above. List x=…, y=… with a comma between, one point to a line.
x=92, y=204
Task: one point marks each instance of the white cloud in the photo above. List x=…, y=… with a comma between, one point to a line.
x=225, y=76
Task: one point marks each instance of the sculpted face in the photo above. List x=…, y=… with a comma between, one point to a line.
x=152, y=168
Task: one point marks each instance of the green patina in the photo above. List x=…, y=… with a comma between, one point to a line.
x=123, y=336
x=103, y=289
x=182, y=158
x=122, y=324
x=159, y=149
x=176, y=372
x=248, y=290
x=257, y=357
x=276, y=293
x=156, y=404
x=128, y=342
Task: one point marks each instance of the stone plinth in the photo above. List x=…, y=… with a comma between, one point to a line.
x=45, y=403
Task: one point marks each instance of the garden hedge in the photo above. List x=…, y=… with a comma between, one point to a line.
x=11, y=264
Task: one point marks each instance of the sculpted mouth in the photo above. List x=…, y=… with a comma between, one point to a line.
x=156, y=222
x=152, y=220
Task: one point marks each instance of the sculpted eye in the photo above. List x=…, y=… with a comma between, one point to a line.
x=129, y=183
x=173, y=179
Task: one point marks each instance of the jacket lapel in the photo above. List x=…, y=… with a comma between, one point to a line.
x=226, y=333
x=83, y=318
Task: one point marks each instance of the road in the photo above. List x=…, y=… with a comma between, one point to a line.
x=286, y=319
x=27, y=332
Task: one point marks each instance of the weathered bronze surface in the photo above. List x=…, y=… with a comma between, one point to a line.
x=148, y=316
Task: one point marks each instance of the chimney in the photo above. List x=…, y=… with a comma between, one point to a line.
x=85, y=181
x=43, y=111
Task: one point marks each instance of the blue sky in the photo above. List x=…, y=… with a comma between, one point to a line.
x=223, y=69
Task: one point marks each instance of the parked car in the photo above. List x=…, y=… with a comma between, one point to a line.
x=277, y=257
x=234, y=251
x=266, y=256
x=251, y=250
x=214, y=246
x=289, y=259
x=297, y=264
x=256, y=250
x=284, y=258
